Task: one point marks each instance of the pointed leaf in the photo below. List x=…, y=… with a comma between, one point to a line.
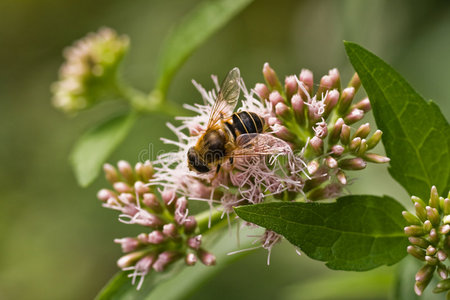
x=93, y=147
x=416, y=135
x=201, y=23
x=355, y=233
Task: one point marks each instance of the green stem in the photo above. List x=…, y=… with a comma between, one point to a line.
x=151, y=104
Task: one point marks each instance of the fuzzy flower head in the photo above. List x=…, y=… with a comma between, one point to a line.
x=169, y=232
x=89, y=71
x=318, y=121
x=429, y=235
x=308, y=132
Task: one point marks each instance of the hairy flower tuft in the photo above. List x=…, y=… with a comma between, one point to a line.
x=169, y=233
x=89, y=71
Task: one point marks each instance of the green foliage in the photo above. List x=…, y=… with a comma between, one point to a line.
x=355, y=233
x=416, y=135
x=191, y=32
x=94, y=147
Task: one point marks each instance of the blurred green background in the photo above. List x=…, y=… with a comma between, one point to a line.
x=56, y=239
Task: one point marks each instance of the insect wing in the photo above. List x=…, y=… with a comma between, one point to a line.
x=227, y=99
x=260, y=144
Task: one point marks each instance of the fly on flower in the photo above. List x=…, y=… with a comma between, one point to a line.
x=229, y=134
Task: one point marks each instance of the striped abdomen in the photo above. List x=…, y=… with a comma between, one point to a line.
x=246, y=122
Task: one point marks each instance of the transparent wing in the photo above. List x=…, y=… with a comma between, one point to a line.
x=260, y=144
x=227, y=99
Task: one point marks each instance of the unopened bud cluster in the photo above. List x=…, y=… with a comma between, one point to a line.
x=89, y=71
x=170, y=233
x=320, y=120
x=429, y=236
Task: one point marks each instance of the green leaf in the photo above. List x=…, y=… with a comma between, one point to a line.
x=355, y=233
x=93, y=147
x=201, y=23
x=181, y=281
x=416, y=135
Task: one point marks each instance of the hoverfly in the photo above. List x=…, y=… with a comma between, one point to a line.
x=229, y=134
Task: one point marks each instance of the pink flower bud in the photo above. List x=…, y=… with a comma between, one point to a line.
x=273, y=121
x=126, y=171
x=337, y=150
x=346, y=100
x=262, y=91
x=282, y=110
x=275, y=98
x=127, y=198
x=433, y=235
x=306, y=76
x=363, y=105
x=129, y=259
x=316, y=144
x=283, y=133
x=190, y=259
x=152, y=202
x=105, y=194
x=144, y=171
x=195, y=242
x=206, y=258
x=190, y=224
x=425, y=273
x=290, y=85
x=170, y=230
x=434, y=197
x=122, y=187
x=143, y=238
x=312, y=167
x=110, y=173
x=355, y=82
x=433, y=215
x=416, y=252
x=354, y=116
x=130, y=210
x=341, y=177
x=345, y=134
x=169, y=197
x=150, y=220
x=271, y=78
x=375, y=158
x=298, y=108
x=441, y=255
x=155, y=237
x=128, y=244
x=164, y=259
x=330, y=102
x=352, y=164
x=326, y=83
x=363, y=131
x=141, y=188
x=335, y=77
x=374, y=139
x=354, y=144
x=336, y=131
x=331, y=162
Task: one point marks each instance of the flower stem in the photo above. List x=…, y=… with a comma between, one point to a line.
x=151, y=104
